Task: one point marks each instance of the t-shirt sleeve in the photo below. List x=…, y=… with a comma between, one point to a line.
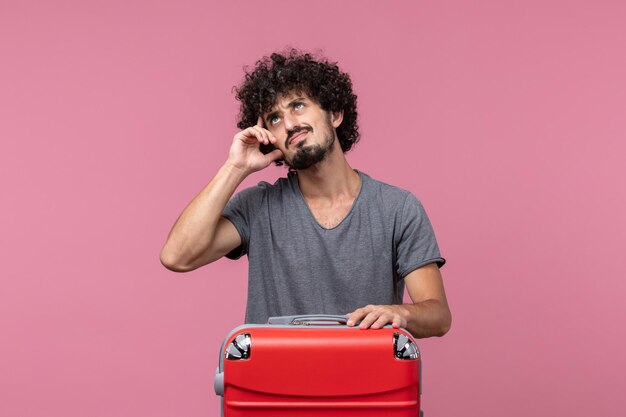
x=240, y=211
x=416, y=242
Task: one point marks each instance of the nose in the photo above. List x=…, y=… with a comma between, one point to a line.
x=289, y=121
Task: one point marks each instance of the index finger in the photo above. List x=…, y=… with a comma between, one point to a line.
x=355, y=317
x=260, y=123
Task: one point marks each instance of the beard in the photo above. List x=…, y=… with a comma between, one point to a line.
x=307, y=156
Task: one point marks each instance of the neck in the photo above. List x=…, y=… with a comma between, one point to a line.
x=330, y=179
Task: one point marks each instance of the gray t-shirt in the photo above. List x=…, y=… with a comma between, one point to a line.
x=296, y=266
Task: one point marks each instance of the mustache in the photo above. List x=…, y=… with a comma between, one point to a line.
x=295, y=131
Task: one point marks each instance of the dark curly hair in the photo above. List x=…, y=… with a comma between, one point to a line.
x=300, y=72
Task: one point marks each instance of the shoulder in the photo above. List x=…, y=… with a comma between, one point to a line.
x=387, y=194
x=264, y=190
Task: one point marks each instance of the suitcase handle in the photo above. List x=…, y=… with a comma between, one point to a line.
x=308, y=319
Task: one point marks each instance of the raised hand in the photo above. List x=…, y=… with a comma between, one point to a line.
x=244, y=152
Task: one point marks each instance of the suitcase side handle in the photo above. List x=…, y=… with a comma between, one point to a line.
x=309, y=319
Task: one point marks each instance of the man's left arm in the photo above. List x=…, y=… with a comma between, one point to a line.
x=429, y=315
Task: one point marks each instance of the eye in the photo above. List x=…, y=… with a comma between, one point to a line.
x=298, y=106
x=274, y=120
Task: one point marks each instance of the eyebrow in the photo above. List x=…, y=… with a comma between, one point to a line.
x=294, y=101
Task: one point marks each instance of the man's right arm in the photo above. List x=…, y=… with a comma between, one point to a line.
x=201, y=235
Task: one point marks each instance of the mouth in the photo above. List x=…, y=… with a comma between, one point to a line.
x=298, y=137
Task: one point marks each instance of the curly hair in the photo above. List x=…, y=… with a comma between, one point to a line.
x=300, y=72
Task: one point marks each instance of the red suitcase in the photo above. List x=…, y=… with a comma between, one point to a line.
x=314, y=366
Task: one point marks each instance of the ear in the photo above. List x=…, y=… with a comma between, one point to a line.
x=336, y=117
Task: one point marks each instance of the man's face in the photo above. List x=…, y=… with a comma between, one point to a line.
x=305, y=132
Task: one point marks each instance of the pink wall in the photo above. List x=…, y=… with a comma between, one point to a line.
x=506, y=118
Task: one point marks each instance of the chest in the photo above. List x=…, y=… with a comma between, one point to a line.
x=329, y=215
x=308, y=236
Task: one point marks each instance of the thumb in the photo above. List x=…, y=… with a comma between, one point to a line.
x=275, y=154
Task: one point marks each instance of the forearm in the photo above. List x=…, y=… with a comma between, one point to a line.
x=422, y=319
x=427, y=318
x=193, y=233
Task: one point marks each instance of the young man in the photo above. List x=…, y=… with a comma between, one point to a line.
x=326, y=239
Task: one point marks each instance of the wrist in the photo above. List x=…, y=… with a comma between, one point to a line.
x=406, y=312
x=236, y=171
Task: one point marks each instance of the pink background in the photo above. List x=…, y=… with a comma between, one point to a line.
x=506, y=118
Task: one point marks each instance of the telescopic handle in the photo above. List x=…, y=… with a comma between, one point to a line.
x=309, y=319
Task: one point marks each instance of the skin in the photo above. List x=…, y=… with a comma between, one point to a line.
x=201, y=235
